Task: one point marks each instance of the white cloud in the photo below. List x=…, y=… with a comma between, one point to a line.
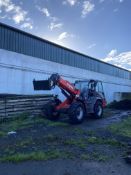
x=10, y=8
x=44, y=11
x=87, y=8
x=14, y=12
x=62, y=36
x=71, y=2
x=91, y=46
x=112, y=53
x=54, y=21
x=19, y=17
x=122, y=60
x=53, y=26
x=27, y=25
x=65, y=35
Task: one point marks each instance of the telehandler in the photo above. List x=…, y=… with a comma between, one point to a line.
x=82, y=98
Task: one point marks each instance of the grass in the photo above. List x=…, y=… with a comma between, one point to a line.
x=19, y=157
x=85, y=156
x=100, y=157
x=83, y=143
x=122, y=128
x=79, y=131
x=2, y=133
x=37, y=156
x=76, y=142
x=23, y=121
x=97, y=140
x=50, y=155
x=62, y=124
x=18, y=122
x=24, y=143
x=95, y=156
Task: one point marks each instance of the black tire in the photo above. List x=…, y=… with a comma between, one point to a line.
x=98, y=110
x=76, y=113
x=48, y=110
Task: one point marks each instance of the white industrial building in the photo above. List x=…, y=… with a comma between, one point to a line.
x=24, y=57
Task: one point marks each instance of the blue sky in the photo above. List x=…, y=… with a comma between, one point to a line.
x=99, y=28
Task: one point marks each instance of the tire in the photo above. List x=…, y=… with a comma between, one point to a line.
x=76, y=113
x=98, y=110
x=49, y=112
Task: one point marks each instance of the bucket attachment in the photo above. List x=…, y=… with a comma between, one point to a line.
x=41, y=85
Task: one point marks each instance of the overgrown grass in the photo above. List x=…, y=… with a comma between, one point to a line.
x=83, y=143
x=24, y=121
x=37, y=156
x=18, y=122
x=50, y=155
x=19, y=157
x=122, y=128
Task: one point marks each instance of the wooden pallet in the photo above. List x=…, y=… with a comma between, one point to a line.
x=13, y=105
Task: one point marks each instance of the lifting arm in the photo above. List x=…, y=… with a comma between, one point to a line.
x=66, y=87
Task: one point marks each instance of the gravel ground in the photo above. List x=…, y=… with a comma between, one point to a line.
x=92, y=148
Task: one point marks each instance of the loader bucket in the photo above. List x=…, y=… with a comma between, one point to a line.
x=41, y=85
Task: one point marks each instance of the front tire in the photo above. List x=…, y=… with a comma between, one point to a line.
x=76, y=113
x=98, y=110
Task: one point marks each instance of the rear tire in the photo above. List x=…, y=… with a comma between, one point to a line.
x=76, y=113
x=48, y=110
x=98, y=110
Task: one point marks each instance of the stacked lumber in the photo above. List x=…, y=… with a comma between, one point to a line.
x=14, y=105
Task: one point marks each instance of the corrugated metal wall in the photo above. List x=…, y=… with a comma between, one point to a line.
x=21, y=42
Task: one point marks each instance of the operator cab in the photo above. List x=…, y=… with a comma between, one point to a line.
x=90, y=87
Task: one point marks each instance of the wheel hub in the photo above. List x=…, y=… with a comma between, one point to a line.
x=79, y=113
x=99, y=110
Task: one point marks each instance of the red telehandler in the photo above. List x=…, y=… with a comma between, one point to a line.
x=82, y=97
